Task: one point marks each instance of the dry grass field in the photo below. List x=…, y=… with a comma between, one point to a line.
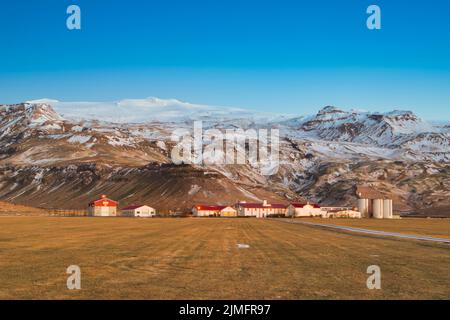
x=438, y=228
x=199, y=259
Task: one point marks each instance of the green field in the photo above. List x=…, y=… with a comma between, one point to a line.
x=124, y=258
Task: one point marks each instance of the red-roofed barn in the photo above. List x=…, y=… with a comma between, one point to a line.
x=103, y=207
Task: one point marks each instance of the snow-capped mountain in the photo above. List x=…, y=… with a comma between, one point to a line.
x=372, y=128
x=396, y=130
x=151, y=110
x=59, y=154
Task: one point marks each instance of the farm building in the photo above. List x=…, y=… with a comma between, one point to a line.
x=213, y=211
x=103, y=207
x=138, y=211
x=372, y=204
x=304, y=210
x=343, y=214
x=260, y=210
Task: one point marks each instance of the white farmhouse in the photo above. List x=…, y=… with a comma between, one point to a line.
x=138, y=211
x=260, y=210
x=304, y=210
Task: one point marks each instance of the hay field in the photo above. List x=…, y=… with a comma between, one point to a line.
x=438, y=228
x=124, y=258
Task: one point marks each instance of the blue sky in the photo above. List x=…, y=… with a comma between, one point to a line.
x=281, y=56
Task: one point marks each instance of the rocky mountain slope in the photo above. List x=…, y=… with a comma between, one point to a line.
x=61, y=155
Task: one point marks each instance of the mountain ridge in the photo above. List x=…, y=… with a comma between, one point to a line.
x=46, y=158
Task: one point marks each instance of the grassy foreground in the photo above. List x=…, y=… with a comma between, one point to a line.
x=438, y=228
x=199, y=259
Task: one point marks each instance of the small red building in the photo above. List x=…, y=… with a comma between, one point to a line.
x=103, y=207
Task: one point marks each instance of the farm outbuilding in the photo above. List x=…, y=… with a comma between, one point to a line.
x=372, y=204
x=304, y=210
x=142, y=211
x=103, y=207
x=353, y=214
x=213, y=211
x=261, y=210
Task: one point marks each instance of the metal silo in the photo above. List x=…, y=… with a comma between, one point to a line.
x=378, y=208
x=387, y=209
x=391, y=210
x=363, y=207
x=369, y=208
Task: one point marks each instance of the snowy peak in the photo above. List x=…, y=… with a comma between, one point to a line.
x=41, y=113
x=400, y=117
x=28, y=114
x=330, y=112
x=35, y=112
x=391, y=130
x=153, y=102
x=16, y=120
x=332, y=123
x=42, y=101
x=153, y=109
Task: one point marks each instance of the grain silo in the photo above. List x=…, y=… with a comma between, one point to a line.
x=391, y=206
x=373, y=204
x=363, y=207
x=391, y=209
x=387, y=209
x=378, y=208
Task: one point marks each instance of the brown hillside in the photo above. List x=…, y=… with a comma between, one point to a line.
x=9, y=209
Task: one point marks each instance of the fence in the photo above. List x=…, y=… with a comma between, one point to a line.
x=68, y=212
x=336, y=209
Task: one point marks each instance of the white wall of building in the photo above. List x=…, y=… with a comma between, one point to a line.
x=343, y=214
x=144, y=212
x=260, y=212
x=204, y=213
x=307, y=211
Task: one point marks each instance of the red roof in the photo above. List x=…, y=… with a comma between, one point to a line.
x=103, y=202
x=209, y=208
x=133, y=207
x=301, y=205
x=262, y=206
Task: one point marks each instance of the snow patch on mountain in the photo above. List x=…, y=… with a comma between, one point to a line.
x=151, y=110
x=332, y=133
x=79, y=139
x=383, y=129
